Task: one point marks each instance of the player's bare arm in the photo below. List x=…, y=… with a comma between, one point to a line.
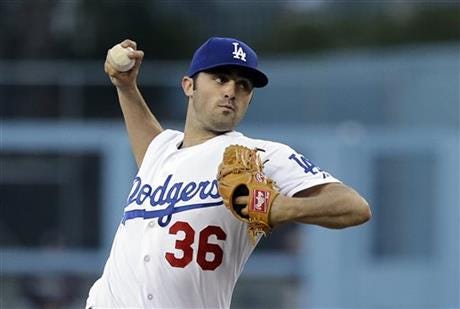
x=141, y=124
x=332, y=205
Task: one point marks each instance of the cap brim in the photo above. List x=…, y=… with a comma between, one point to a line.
x=257, y=77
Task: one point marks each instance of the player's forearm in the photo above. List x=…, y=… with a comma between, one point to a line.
x=141, y=124
x=335, y=206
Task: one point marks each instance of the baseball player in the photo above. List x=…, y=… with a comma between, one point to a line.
x=177, y=246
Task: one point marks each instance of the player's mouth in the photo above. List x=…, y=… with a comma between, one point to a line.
x=227, y=107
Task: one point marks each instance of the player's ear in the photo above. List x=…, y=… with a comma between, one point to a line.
x=187, y=86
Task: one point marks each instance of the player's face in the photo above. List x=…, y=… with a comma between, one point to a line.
x=220, y=99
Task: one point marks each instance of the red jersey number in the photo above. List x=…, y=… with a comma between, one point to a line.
x=204, y=247
x=209, y=255
x=185, y=245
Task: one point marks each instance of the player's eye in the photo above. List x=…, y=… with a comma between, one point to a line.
x=245, y=85
x=221, y=78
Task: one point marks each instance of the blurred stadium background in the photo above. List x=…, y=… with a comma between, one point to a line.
x=368, y=89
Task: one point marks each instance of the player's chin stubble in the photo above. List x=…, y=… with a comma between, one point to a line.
x=223, y=122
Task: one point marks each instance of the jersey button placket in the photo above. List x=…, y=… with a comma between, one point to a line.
x=147, y=258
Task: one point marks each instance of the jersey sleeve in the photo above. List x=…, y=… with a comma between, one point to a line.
x=292, y=171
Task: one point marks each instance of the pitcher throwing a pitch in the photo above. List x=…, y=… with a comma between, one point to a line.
x=203, y=198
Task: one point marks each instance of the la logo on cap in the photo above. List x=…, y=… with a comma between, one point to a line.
x=238, y=52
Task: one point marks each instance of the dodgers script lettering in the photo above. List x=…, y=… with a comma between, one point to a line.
x=169, y=198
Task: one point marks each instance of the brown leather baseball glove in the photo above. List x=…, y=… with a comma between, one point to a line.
x=241, y=173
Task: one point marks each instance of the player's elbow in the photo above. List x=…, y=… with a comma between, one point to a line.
x=356, y=210
x=365, y=211
x=361, y=212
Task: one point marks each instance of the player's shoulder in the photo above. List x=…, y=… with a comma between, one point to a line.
x=264, y=144
x=163, y=141
x=167, y=136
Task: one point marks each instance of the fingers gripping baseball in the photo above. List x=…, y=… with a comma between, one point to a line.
x=118, y=59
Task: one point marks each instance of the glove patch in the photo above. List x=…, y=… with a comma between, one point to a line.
x=260, y=200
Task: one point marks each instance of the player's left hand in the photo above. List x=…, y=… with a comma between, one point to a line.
x=242, y=201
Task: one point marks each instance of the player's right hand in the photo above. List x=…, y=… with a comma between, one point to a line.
x=125, y=79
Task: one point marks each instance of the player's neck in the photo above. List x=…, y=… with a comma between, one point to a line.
x=195, y=133
x=193, y=136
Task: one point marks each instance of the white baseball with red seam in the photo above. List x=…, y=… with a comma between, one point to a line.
x=118, y=58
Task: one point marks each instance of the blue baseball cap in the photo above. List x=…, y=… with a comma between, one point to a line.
x=218, y=52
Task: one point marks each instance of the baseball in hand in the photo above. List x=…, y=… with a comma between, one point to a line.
x=118, y=58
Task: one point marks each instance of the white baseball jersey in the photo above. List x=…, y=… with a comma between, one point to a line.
x=177, y=245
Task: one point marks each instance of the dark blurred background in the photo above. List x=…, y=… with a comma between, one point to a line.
x=172, y=29
x=368, y=89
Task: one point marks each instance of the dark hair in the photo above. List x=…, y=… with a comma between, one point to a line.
x=194, y=78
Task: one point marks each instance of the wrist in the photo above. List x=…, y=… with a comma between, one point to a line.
x=279, y=212
x=127, y=90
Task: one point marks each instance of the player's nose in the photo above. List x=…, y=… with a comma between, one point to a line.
x=229, y=90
